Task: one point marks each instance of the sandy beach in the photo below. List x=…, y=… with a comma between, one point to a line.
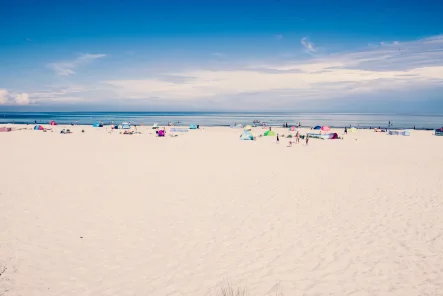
x=101, y=213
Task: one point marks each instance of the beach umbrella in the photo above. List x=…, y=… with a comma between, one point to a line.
x=325, y=128
x=248, y=128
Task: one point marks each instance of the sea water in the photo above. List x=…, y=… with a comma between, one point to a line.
x=362, y=120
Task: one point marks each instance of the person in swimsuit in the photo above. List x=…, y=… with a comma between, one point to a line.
x=297, y=137
x=307, y=140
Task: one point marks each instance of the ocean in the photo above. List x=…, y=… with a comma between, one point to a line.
x=362, y=120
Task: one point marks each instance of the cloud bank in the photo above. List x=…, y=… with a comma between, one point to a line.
x=408, y=66
x=374, y=72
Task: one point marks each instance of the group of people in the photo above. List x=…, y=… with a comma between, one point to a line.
x=297, y=139
x=286, y=125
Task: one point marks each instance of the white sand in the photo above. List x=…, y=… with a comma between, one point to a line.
x=176, y=216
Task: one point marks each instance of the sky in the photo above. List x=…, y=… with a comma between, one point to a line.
x=338, y=56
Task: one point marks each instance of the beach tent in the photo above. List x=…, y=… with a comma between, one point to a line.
x=248, y=128
x=192, y=126
x=325, y=128
x=247, y=135
x=53, y=123
x=399, y=133
x=5, y=129
x=178, y=130
x=38, y=128
x=97, y=124
x=269, y=133
x=439, y=132
x=352, y=130
x=317, y=127
x=161, y=133
x=331, y=136
x=292, y=128
x=155, y=126
x=126, y=125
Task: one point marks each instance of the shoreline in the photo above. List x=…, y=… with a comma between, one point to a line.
x=226, y=126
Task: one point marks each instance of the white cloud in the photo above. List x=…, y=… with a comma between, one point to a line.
x=3, y=96
x=308, y=45
x=417, y=64
x=67, y=68
x=405, y=66
x=22, y=99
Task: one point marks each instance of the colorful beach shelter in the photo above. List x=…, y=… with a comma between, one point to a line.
x=161, y=133
x=247, y=135
x=292, y=128
x=269, y=133
x=192, y=126
x=38, y=128
x=325, y=128
x=248, y=128
x=438, y=132
x=126, y=125
x=97, y=124
x=53, y=123
x=333, y=136
x=317, y=127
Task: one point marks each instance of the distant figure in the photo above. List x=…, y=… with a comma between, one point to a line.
x=307, y=139
x=270, y=128
x=389, y=123
x=290, y=144
x=198, y=126
x=346, y=130
x=278, y=140
x=414, y=126
x=35, y=121
x=297, y=137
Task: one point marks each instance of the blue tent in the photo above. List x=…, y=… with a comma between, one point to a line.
x=97, y=124
x=317, y=127
x=192, y=126
x=38, y=128
x=247, y=135
x=126, y=125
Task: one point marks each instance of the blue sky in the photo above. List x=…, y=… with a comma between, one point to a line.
x=221, y=55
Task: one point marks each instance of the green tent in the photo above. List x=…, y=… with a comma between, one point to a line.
x=269, y=133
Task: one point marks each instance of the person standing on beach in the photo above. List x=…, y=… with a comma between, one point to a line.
x=346, y=130
x=307, y=139
x=278, y=140
x=297, y=137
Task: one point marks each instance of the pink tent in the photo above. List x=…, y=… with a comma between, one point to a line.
x=5, y=129
x=325, y=128
x=53, y=123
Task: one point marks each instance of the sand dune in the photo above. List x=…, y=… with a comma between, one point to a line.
x=109, y=214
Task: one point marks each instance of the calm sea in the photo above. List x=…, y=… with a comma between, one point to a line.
x=427, y=121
